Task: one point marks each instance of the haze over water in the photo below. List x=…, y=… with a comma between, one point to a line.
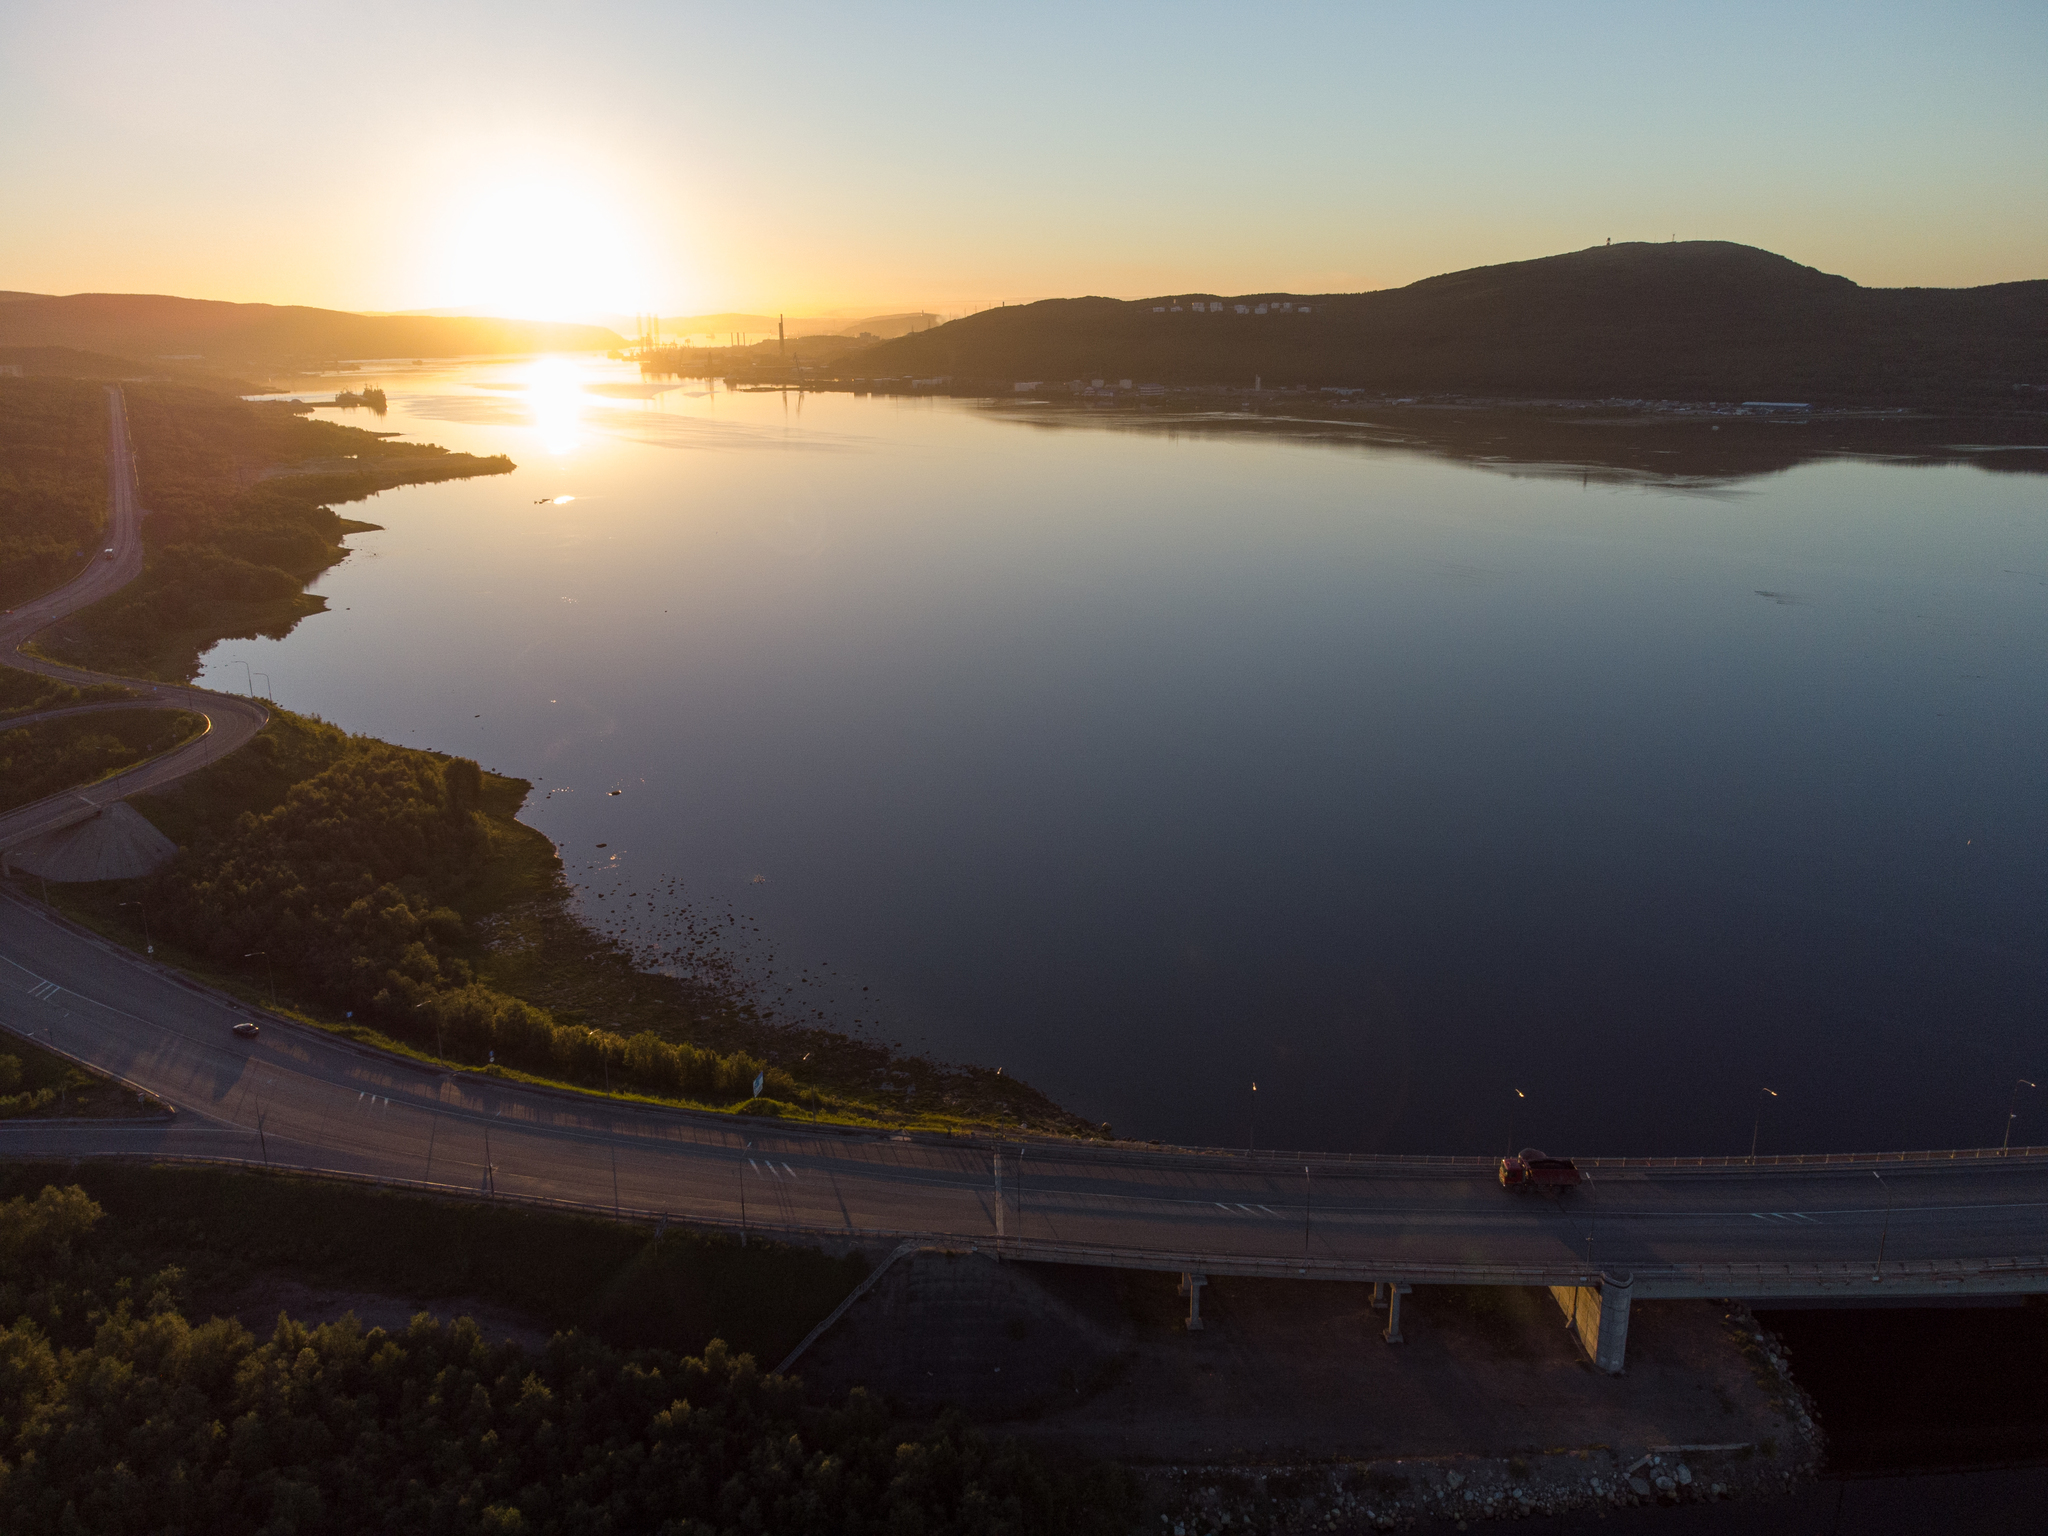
x=1146, y=764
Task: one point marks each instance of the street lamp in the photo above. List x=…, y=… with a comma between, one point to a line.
x=267, y=971
x=1877, y=1274
x=1511, y=1120
x=1251, y=1136
x=266, y=686
x=2013, y=1110
x=149, y=944
x=236, y=661
x=1758, y=1123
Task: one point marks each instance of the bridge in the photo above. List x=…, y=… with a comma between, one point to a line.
x=1892, y=1227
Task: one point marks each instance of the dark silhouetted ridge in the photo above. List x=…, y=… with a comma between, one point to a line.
x=1697, y=320
x=150, y=327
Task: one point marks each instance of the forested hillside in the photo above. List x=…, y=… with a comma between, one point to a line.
x=120, y=1414
x=155, y=327
x=53, y=482
x=1695, y=320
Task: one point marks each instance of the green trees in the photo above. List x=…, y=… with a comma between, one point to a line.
x=53, y=482
x=38, y=760
x=117, y=1415
x=350, y=882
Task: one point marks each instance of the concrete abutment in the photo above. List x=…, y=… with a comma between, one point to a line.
x=1597, y=1316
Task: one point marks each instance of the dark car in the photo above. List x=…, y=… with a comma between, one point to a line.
x=1532, y=1168
x=247, y=1030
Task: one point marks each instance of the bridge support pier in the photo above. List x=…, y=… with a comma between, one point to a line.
x=1191, y=1287
x=1598, y=1316
x=1388, y=1294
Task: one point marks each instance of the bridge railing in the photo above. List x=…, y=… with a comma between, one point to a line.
x=1390, y=1160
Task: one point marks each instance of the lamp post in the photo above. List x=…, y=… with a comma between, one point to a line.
x=2013, y=1110
x=268, y=972
x=741, y=1169
x=1251, y=1136
x=149, y=944
x=266, y=686
x=236, y=661
x=1307, y=1195
x=1757, y=1124
x=1885, y=1231
x=1511, y=1121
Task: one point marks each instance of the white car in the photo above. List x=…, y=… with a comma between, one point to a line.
x=109, y=553
x=247, y=1029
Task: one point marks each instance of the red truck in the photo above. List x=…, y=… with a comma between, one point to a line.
x=1531, y=1168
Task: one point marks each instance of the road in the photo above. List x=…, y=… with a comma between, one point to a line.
x=299, y=1097
x=230, y=721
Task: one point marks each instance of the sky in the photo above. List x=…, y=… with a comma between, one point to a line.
x=613, y=157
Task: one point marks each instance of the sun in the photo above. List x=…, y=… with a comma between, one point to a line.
x=537, y=242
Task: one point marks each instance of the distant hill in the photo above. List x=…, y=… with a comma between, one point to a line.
x=719, y=326
x=154, y=327
x=1700, y=319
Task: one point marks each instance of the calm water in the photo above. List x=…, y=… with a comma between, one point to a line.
x=1145, y=764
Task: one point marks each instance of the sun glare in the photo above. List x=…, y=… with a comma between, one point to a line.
x=538, y=243
x=554, y=393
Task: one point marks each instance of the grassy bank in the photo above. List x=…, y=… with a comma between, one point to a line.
x=53, y=755
x=120, y=1414
x=36, y=1084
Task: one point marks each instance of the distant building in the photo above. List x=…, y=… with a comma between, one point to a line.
x=1303, y=310
x=10, y=370
x=1175, y=309
x=1095, y=383
x=1025, y=387
x=1151, y=389
x=1123, y=383
x=1158, y=309
x=1244, y=309
x=1260, y=310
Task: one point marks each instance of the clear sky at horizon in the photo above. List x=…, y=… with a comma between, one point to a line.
x=615, y=156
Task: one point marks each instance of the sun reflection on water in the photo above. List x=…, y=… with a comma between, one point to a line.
x=554, y=394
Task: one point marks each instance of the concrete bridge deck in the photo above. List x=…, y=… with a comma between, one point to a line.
x=1901, y=1226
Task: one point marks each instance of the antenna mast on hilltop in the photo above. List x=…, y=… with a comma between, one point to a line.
x=781, y=343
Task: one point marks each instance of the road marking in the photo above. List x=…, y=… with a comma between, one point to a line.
x=43, y=991
x=1220, y=1206
x=789, y=1170
x=1269, y=1210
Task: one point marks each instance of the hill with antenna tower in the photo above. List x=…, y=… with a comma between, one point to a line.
x=1688, y=320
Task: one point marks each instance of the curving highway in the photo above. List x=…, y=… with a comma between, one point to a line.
x=1901, y=1225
